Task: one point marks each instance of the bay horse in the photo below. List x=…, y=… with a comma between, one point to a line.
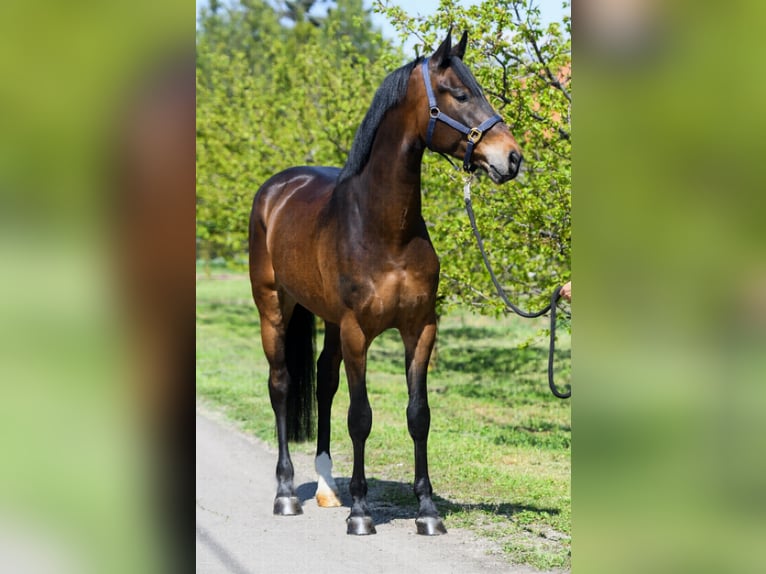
x=351, y=247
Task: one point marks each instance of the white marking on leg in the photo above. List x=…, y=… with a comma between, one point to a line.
x=327, y=490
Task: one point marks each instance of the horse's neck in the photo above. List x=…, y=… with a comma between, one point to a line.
x=389, y=185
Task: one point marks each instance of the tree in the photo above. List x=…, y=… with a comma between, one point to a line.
x=244, y=27
x=272, y=94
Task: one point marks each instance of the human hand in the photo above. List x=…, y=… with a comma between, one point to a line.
x=566, y=291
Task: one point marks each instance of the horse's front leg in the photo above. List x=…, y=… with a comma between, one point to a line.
x=418, y=345
x=354, y=346
x=328, y=376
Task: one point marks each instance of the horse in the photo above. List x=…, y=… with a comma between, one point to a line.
x=350, y=246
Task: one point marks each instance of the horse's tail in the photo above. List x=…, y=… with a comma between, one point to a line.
x=299, y=356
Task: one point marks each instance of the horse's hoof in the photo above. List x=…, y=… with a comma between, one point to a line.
x=328, y=499
x=360, y=525
x=287, y=506
x=430, y=526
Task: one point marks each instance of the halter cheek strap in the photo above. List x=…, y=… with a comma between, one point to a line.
x=473, y=135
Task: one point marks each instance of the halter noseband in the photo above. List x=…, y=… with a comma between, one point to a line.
x=473, y=135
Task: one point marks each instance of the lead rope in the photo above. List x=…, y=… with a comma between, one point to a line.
x=501, y=292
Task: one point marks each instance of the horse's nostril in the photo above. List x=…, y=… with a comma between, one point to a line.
x=515, y=158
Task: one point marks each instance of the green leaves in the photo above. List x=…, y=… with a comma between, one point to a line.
x=270, y=97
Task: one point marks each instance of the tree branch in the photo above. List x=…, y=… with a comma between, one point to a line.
x=471, y=288
x=553, y=81
x=562, y=132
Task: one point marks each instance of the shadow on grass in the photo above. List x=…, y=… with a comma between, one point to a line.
x=479, y=353
x=496, y=360
x=555, y=438
x=468, y=333
x=392, y=500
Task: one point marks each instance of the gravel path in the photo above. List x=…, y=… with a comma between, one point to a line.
x=237, y=532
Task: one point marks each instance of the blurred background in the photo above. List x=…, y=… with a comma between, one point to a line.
x=669, y=271
x=96, y=292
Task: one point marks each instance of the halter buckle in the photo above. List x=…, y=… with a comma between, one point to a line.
x=474, y=135
x=434, y=111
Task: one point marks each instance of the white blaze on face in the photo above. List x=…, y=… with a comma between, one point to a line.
x=327, y=490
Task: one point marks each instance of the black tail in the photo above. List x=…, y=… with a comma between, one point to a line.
x=299, y=356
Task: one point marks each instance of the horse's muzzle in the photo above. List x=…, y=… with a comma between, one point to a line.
x=514, y=163
x=508, y=171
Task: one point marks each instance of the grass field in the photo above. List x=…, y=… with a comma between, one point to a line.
x=499, y=448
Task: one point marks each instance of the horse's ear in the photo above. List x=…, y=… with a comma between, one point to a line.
x=459, y=50
x=442, y=54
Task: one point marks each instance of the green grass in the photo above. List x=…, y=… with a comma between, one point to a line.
x=499, y=448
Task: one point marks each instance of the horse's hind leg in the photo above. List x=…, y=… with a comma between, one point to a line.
x=418, y=345
x=275, y=316
x=273, y=333
x=328, y=376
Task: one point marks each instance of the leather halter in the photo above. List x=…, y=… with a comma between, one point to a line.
x=473, y=135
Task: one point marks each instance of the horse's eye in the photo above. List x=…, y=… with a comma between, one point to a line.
x=461, y=97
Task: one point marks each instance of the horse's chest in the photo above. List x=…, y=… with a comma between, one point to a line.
x=388, y=292
x=406, y=289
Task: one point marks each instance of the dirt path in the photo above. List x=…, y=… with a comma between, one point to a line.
x=237, y=532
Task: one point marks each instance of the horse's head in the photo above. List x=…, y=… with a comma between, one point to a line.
x=457, y=118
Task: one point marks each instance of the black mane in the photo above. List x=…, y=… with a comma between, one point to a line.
x=390, y=93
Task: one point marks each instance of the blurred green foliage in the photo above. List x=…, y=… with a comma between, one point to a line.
x=77, y=477
x=671, y=322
